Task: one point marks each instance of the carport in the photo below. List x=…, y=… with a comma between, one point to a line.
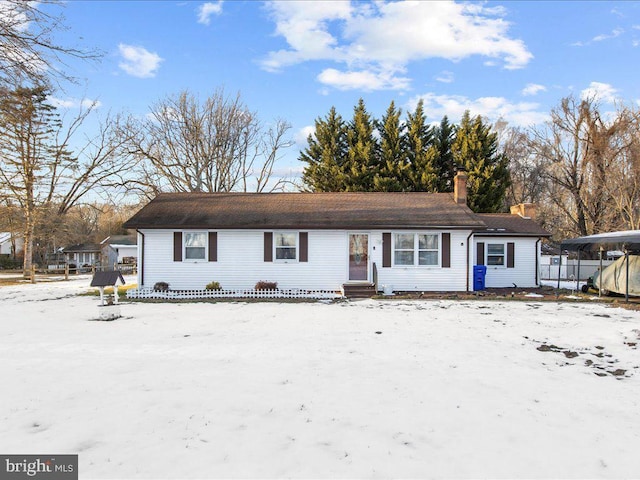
x=627, y=241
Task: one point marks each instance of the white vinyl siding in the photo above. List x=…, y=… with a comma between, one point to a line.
x=426, y=277
x=241, y=262
x=524, y=272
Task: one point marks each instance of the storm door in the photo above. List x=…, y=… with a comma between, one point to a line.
x=359, y=257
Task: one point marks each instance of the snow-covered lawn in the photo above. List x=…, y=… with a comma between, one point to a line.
x=367, y=389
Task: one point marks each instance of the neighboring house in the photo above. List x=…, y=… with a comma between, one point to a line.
x=82, y=255
x=399, y=241
x=119, y=249
x=10, y=244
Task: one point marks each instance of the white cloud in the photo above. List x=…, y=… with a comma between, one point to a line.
x=606, y=36
x=600, y=91
x=616, y=32
x=494, y=108
x=445, y=77
x=207, y=9
x=533, y=89
x=68, y=103
x=362, y=80
x=303, y=133
x=138, y=61
x=379, y=36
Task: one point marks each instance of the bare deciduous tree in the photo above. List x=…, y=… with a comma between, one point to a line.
x=623, y=185
x=580, y=149
x=28, y=51
x=217, y=145
x=38, y=171
x=526, y=170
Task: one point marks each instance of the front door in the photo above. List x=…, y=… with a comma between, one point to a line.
x=359, y=257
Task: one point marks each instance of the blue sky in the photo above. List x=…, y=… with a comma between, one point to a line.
x=294, y=60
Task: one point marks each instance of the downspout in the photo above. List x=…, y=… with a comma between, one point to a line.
x=468, y=259
x=141, y=260
x=538, y=262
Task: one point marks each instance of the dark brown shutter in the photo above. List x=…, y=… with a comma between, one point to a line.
x=268, y=246
x=480, y=253
x=177, y=246
x=304, y=246
x=510, y=254
x=213, y=246
x=386, y=249
x=446, y=250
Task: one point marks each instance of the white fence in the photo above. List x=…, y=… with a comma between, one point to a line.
x=569, y=269
x=149, y=293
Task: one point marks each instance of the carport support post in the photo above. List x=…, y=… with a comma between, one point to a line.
x=578, y=273
x=626, y=261
x=559, y=266
x=600, y=274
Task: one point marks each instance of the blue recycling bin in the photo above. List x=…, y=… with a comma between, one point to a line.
x=479, y=274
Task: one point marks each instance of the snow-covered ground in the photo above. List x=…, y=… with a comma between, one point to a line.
x=366, y=389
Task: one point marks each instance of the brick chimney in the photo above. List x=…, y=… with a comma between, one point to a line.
x=525, y=210
x=460, y=187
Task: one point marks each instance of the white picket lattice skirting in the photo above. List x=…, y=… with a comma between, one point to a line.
x=141, y=293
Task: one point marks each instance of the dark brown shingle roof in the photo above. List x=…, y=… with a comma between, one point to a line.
x=304, y=211
x=106, y=279
x=506, y=223
x=82, y=247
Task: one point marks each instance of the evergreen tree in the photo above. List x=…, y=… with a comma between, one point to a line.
x=475, y=148
x=393, y=169
x=444, y=164
x=420, y=152
x=361, y=162
x=326, y=155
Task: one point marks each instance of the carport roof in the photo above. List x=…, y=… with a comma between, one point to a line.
x=629, y=239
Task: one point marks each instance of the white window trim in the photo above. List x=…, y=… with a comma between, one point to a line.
x=416, y=250
x=275, y=247
x=504, y=255
x=184, y=246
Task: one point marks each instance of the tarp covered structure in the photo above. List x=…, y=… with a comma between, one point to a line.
x=614, y=277
x=623, y=278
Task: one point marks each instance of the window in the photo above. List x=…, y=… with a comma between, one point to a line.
x=195, y=246
x=285, y=246
x=495, y=254
x=428, y=249
x=416, y=249
x=403, y=252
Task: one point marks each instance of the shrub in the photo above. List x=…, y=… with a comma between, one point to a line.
x=8, y=263
x=262, y=285
x=161, y=287
x=213, y=286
